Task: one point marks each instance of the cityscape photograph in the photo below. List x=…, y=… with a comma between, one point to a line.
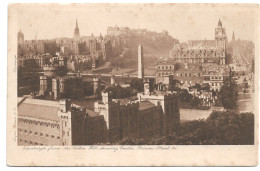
x=131, y=74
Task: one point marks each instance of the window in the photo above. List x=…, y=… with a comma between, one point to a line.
x=212, y=84
x=47, y=135
x=30, y=132
x=170, y=67
x=162, y=67
x=166, y=67
x=68, y=133
x=52, y=136
x=36, y=133
x=41, y=134
x=158, y=67
x=58, y=137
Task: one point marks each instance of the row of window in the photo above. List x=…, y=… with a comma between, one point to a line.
x=37, y=133
x=188, y=75
x=164, y=73
x=165, y=67
x=45, y=124
x=216, y=84
x=216, y=78
x=30, y=142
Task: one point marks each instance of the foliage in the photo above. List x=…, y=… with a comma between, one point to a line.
x=119, y=92
x=137, y=84
x=220, y=128
x=188, y=100
x=228, y=96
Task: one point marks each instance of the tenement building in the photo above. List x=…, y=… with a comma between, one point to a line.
x=203, y=51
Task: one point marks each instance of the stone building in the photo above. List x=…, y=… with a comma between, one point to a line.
x=203, y=51
x=61, y=87
x=43, y=122
x=188, y=73
x=215, y=75
x=169, y=103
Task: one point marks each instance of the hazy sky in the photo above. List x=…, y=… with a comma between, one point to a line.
x=184, y=22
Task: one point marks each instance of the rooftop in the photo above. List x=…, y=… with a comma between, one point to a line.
x=41, y=109
x=143, y=105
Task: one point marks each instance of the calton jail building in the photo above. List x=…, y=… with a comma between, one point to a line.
x=45, y=122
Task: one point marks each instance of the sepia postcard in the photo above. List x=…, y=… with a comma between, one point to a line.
x=133, y=84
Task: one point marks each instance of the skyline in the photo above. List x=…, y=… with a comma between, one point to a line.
x=49, y=22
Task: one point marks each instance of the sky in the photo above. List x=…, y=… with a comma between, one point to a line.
x=182, y=21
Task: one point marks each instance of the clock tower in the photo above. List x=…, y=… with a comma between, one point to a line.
x=220, y=33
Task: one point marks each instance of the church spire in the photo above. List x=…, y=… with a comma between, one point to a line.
x=76, y=31
x=219, y=23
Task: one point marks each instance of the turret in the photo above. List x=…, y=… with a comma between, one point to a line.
x=113, y=80
x=55, y=88
x=96, y=83
x=106, y=97
x=43, y=85
x=65, y=105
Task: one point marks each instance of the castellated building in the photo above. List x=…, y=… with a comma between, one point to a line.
x=43, y=122
x=46, y=122
x=203, y=51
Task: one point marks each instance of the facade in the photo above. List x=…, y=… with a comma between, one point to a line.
x=215, y=75
x=165, y=68
x=203, y=51
x=169, y=104
x=61, y=87
x=189, y=74
x=43, y=122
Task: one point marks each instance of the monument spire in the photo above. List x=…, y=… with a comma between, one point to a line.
x=140, y=62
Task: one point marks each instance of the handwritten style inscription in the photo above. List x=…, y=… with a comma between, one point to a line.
x=102, y=148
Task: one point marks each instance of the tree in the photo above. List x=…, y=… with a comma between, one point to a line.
x=137, y=84
x=228, y=97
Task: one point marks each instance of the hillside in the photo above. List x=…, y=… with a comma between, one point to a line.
x=154, y=48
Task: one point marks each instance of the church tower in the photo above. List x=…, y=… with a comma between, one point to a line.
x=140, y=62
x=20, y=37
x=220, y=32
x=76, y=32
x=221, y=42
